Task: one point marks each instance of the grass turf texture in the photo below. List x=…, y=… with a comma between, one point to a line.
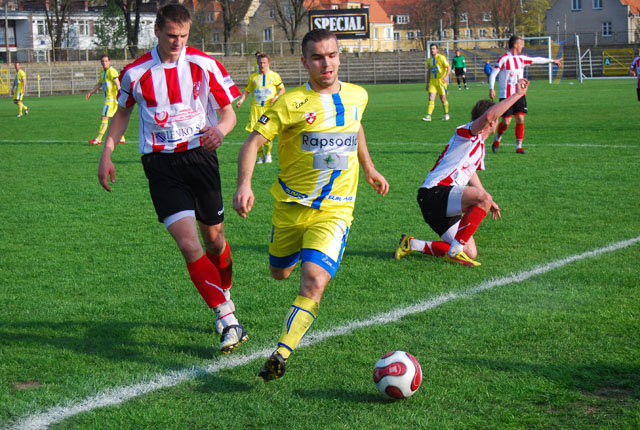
x=95, y=294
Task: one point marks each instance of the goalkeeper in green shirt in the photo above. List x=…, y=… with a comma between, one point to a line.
x=460, y=68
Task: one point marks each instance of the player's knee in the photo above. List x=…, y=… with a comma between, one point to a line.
x=280, y=274
x=471, y=252
x=484, y=201
x=189, y=248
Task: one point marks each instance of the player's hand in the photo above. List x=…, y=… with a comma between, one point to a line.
x=87, y=96
x=495, y=211
x=521, y=87
x=558, y=61
x=106, y=171
x=377, y=181
x=211, y=138
x=492, y=94
x=238, y=104
x=243, y=201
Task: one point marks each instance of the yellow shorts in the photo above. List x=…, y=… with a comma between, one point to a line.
x=300, y=232
x=17, y=96
x=109, y=108
x=436, y=86
x=256, y=112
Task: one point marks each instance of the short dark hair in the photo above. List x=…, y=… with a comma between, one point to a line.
x=261, y=56
x=432, y=45
x=172, y=12
x=480, y=108
x=105, y=55
x=316, y=35
x=512, y=40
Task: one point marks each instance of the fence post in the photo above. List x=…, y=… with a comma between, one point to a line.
x=50, y=81
x=375, y=77
x=72, y=83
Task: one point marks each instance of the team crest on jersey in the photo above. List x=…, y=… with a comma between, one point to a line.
x=161, y=118
x=263, y=119
x=310, y=117
x=196, y=89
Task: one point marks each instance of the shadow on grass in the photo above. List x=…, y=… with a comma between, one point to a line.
x=344, y=395
x=600, y=379
x=112, y=340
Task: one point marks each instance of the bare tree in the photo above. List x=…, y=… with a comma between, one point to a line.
x=425, y=16
x=290, y=16
x=503, y=13
x=455, y=9
x=129, y=8
x=57, y=16
x=233, y=12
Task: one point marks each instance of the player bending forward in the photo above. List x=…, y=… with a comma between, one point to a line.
x=452, y=198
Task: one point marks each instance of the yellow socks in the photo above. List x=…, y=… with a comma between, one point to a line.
x=446, y=107
x=103, y=129
x=21, y=107
x=267, y=147
x=432, y=106
x=301, y=316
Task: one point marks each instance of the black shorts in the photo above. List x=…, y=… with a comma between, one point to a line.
x=188, y=180
x=433, y=204
x=519, y=107
x=459, y=71
x=638, y=91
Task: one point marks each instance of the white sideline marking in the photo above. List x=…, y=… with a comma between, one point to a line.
x=118, y=395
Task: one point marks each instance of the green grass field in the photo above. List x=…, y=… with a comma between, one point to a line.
x=100, y=326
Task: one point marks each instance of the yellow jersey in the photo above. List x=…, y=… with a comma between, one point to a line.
x=106, y=78
x=438, y=66
x=318, y=146
x=19, y=80
x=264, y=87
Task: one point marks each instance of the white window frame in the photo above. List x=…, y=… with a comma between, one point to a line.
x=396, y=36
x=402, y=19
x=41, y=27
x=388, y=33
x=597, y=4
x=576, y=4
x=482, y=33
x=267, y=35
x=411, y=35
x=486, y=16
x=375, y=34
x=272, y=13
x=468, y=33
x=464, y=17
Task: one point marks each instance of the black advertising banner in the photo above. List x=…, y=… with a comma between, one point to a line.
x=344, y=23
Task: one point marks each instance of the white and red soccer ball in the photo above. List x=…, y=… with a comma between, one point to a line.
x=397, y=375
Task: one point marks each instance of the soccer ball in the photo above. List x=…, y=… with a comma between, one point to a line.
x=397, y=375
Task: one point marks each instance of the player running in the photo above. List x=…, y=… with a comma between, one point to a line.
x=437, y=81
x=634, y=69
x=266, y=86
x=510, y=69
x=452, y=199
x=109, y=81
x=184, y=105
x=321, y=143
x=19, y=89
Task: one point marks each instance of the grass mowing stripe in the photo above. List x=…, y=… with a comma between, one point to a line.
x=121, y=394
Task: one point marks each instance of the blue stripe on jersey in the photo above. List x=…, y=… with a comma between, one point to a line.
x=264, y=80
x=337, y=101
x=327, y=188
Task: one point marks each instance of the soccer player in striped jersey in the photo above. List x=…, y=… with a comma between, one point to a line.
x=634, y=69
x=19, y=89
x=321, y=144
x=452, y=199
x=110, y=83
x=184, y=103
x=510, y=69
x=266, y=86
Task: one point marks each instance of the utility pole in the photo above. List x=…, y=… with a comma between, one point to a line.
x=6, y=32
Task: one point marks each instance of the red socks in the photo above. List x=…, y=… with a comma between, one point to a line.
x=224, y=265
x=469, y=224
x=436, y=248
x=206, y=278
x=519, y=131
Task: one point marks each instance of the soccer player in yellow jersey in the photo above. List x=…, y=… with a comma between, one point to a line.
x=266, y=86
x=109, y=82
x=19, y=89
x=321, y=143
x=437, y=79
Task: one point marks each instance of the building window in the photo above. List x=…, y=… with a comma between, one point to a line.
x=288, y=10
x=464, y=17
x=388, y=33
x=41, y=28
x=607, y=29
x=268, y=35
x=482, y=32
x=375, y=34
x=334, y=6
x=576, y=4
x=83, y=27
x=468, y=33
x=216, y=37
x=597, y=4
x=486, y=16
x=402, y=19
x=272, y=13
x=396, y=35
x=420, y=34
x=411, y=35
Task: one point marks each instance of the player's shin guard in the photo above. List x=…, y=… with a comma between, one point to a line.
x=469, y=224
x=206, y=278
x=103, y=129
x=224, y=265
x=431, y=107
x=301, y=316
x=436, y=248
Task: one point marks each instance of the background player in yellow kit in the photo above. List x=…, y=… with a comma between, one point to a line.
x=110, y=84
x=437, y=81
x=19, y=89
x=266, y=86
x=321, y=143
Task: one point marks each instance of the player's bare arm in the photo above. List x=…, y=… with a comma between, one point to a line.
x=494, y=208
x=372, y=176
x=242, y=98
x=212, y=137
x=493, y=114
x=119, y=124
x=93, y=90
x=243, y=198
x=281, y=92
x=445, y=78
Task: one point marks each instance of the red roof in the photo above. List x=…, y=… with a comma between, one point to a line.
x=377, y=14
x=634, y=5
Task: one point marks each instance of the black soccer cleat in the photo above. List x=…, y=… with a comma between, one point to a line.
x=273, y=368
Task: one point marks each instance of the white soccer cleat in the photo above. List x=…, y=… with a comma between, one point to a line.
x=232, y=337
x=427, y=118
x=268, y=159
x=446, y=117
x=260, y=160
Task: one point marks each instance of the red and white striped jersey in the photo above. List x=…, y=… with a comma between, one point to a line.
x=175, y=100
x=510, y=69
x=635, y=65
x=463, y=155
